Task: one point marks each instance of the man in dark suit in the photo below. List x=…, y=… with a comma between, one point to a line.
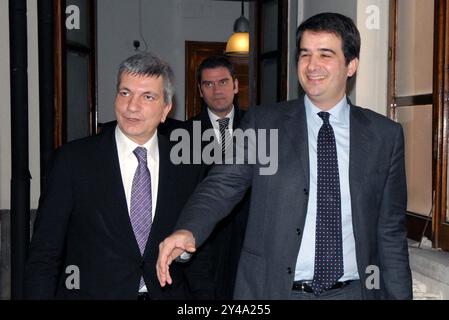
x=330, y=224
x=112, y=198
x=218, y=85
x=165, y=128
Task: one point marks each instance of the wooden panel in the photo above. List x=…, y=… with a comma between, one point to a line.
x=60, y=81
x=418, y=225
x=414, y=100
x=280, y=53
x=241, y=73
x=196, y=52
x=441, y=93
x=61, y=49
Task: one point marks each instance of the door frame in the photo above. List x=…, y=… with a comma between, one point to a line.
x=434, y=226
x=194, y=52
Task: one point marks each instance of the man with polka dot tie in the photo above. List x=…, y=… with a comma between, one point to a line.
x=335, y=209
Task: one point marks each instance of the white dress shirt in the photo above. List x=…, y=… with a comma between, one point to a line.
x=128, y=165
x=339, y=120
x=216, y=126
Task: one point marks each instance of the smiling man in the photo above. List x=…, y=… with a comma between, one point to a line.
x=323, y=69
x=335, y=209
x=112, y=198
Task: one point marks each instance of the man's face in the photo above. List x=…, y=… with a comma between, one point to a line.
x=322, y=70
x=140, y=106
x=218, y=89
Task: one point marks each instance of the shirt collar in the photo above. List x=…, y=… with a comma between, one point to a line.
x=126, y=147
x=339, y=112
x=213, y=117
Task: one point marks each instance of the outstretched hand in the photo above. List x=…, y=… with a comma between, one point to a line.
x=169, y=250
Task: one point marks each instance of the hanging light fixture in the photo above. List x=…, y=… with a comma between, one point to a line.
x=238, y=43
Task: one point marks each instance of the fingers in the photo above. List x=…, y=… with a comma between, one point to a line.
x=163, y=263
x=172, y=257
x=169, y=250
x=165, y=268
x=190, y=247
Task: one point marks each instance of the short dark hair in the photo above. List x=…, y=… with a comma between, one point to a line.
x=335, y=23
x=213, y=62
x=149, y=65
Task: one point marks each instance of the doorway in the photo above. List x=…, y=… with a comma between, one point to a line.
x=197, y=51
x=418, y=86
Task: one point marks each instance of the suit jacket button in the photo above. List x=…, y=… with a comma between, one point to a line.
x=306, y=192
x=289, y=270
x=298, y=231
x=142, y=264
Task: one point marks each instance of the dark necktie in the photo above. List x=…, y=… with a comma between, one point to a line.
x=224, y=133
x=141, y=202
x=328, y=238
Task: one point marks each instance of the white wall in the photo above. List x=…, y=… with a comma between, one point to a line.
x=346, y=7
x=5, y=109
x=370, y=89
x=167, y=24
x=33, y=103
x=372, y=75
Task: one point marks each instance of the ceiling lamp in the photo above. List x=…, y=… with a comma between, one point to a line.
x=238, y=43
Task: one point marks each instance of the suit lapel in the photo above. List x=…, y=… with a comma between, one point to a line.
x=359, y=154
x=295, y=126
x=205, y=125
x=112, y=200
x=237, y=118
x=205, y=120
x=164, y=218
x=360, y=139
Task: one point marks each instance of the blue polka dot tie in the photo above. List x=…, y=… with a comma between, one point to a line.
x=328, y=238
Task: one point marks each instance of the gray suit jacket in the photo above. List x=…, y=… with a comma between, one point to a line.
x=279, y=204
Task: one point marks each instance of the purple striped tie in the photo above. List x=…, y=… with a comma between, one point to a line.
x=141, y=201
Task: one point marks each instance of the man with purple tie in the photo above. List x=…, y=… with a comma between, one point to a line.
x=112, y=198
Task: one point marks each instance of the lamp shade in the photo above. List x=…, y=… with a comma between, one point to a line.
x=238, y=44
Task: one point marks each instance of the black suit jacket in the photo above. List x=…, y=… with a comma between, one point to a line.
x=83, y=221
x=279, y=204
x=225, y=243
x=169, y=125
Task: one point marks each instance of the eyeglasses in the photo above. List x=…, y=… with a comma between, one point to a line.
x=212, y=84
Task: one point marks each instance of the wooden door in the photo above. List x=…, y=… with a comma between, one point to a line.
x=418, y=91
x=75, y=73
x=197, y=51
x=271, y=50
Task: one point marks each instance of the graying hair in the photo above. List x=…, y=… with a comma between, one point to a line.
x=148, y=65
